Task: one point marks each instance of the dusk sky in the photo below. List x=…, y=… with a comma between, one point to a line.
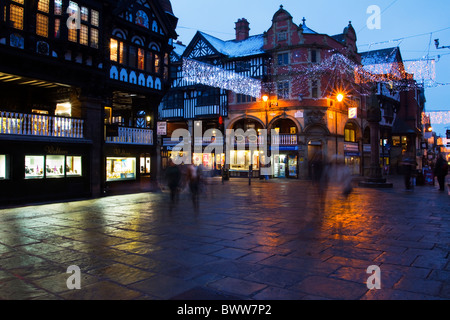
x=410, y=24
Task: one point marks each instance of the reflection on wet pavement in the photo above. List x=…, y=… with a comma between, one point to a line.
x=270, y=240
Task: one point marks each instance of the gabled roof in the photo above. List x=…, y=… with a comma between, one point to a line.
x=388, y=55
x=251, y=46
x=161, y=8
x=232, y=48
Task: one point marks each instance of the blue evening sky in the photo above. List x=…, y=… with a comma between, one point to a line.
x=416, y=22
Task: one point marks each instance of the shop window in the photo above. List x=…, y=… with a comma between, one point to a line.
x=54, y=167
x=34, y=167
x=242, y=159
x=4, y=167
x=73, y=166
x=145, y=165
x=118, y=169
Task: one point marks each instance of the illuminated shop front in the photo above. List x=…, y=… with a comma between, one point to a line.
x=4, y=167
x=120, y=168
x=52, y=166
x=285, y=165
x=241, y=160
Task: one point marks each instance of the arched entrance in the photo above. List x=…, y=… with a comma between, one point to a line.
x=241, y=159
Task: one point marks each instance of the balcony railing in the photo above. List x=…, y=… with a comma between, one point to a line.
x=13, y=123
x=285, y=139
x=132, y=136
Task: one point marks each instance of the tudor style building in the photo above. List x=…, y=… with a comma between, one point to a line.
x=80, y=81
x=302, y=108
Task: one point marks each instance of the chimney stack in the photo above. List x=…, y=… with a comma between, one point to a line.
x=242, y=29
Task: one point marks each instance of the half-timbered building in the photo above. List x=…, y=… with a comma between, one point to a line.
x=190, y=105
x=79, y=82
x=299, y=105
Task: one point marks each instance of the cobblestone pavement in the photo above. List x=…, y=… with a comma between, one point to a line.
x=276, y=239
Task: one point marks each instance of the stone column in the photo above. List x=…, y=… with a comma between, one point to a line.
x=375, y=179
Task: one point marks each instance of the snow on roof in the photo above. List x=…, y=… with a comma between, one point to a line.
x=251, y=46
x=179, y=48
x=381, y=56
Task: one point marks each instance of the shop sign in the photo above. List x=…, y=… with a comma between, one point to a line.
x=299, y=114
x=353, y=147
x=352, y=113
x=161, y=128
x=55, y=150
x=285, y=148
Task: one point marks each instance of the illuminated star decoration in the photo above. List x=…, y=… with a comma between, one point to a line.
x=206, y=74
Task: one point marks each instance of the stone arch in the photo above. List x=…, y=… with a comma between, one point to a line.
x=233, y=123
x=286, y=117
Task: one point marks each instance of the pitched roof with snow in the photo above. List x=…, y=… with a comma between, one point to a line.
x=251, y=46
x=388, y=55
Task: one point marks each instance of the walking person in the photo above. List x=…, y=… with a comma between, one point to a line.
x=441, y=171
x=173, y=176
x=193, y=181
x=409, y=166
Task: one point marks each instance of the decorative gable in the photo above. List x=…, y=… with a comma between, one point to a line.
x=201, y=49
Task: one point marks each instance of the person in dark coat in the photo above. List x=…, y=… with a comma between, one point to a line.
x=173, y=176
x=440, y=171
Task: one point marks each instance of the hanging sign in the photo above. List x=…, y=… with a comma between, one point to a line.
x=161, y=128
x=352, y=113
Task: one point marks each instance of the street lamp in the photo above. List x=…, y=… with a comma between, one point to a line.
x=339, y=97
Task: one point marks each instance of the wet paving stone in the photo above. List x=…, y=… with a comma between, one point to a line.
x=272, y=240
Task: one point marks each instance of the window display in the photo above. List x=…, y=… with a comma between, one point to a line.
x=120, y=169
x=54, y=167
x=240, y=160
x=73, y=166
x=145, y=165
x=34, y=167
x=4, y=167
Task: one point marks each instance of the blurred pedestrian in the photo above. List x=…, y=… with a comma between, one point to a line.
x=441, y=171
x=409, y=166
x=173, y=177
x=193, y=182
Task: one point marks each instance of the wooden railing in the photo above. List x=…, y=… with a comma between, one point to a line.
x=13, y=123
x=132, y=136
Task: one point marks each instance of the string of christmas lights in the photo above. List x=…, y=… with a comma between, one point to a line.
x=203, y=73
x=438, y=117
